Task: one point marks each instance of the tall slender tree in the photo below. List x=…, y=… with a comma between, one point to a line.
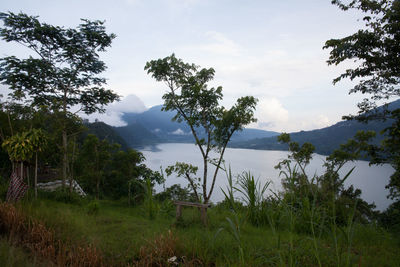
x=198, y=106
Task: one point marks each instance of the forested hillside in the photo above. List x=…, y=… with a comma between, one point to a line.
x=325, y=140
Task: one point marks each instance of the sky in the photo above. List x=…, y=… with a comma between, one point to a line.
x=268, y=49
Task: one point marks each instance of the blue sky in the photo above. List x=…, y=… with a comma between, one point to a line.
x=269, y=49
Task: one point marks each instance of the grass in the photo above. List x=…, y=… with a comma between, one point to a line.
x=13, y=256
x=126, y=235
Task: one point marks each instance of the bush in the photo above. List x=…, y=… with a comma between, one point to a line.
x=93, y=208
x=168, y=208
x=176, y=192
x=390, y=218
x=61, y=196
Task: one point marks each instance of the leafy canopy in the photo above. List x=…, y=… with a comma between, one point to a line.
x=376, y=48
x=62, y=71
x=211, y=124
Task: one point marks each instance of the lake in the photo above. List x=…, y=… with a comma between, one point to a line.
x=371, y=180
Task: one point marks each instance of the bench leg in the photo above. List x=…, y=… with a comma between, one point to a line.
x=178, y=211
x=204, y=216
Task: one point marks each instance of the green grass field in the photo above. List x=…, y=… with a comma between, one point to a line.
x=125, y=235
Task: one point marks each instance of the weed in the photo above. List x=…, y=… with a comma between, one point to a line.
x=253, y=195
x=164, y=251
x=93, y=208
x=39, y=240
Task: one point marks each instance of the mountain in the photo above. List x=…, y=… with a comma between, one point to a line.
x=155, y=126
x=326, y=139
x=105, y=131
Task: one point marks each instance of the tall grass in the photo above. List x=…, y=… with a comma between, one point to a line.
x=229, y=193
x=38, y=239
x=150, y=205
x=253, y=192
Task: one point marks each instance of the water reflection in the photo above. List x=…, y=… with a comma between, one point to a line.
x=371, y=180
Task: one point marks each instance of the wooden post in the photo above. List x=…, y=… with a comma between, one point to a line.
x=178, y=211
x=204, y=215
x=201, y=207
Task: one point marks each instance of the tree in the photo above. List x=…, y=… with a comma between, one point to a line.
x=38, y=141
x=94, y=158
x=377, y=50
x=327, y=192
x=62, y=70
x=212, y=125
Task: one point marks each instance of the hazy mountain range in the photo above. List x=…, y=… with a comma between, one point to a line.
x=155, y=126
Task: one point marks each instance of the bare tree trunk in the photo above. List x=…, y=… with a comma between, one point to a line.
x=9, y=123
x=129, y=193
x=205, y=180
x=22, y=170
x=65, y=160
x=97, y=172
x=36, y=168
x=64, y=140
x=27, y=175
x=71, y=171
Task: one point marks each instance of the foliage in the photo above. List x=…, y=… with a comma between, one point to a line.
x=92, y=161
x=253, y=195
x=19, y=147
x=234, y=229
x=376, y=48
x=230, y=189
x=176, y=192
x=61, y=196
x=66, y=67
x=212, y=125
x=104, y=131
x=390, y=218
x=104, y=170
x=11, y=255
x=327, y=191
x=63, y=71
x=93, y=208
x=119, y=232
x=36, y=238
x=187, y=171
x=149, y=203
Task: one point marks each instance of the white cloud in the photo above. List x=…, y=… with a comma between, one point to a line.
x=179, y=131
x=214, y=44
x=132, y=2
x=322, y=121
x=130, y=103
x=110, y=117
x=114, y=111
x=270, y=114
x=220, y=44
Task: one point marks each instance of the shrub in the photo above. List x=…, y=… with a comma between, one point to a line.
x=39, y=240
x=93, y=208
x=61, y=196
x=164, y=250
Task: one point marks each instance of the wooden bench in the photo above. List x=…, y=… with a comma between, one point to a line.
x=202, y=207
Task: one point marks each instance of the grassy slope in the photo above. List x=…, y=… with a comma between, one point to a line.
x=11, y=256
x=120, y=231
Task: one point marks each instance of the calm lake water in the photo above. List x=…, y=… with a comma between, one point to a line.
x=371, y=180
